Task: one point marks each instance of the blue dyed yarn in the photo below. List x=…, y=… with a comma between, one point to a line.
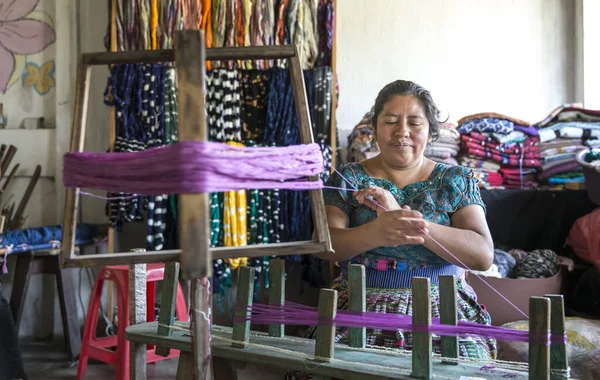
x=43, y=235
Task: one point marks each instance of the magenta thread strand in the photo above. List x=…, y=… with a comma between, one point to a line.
x=293, y=315
x=448, y=252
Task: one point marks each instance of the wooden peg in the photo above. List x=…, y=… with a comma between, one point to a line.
x=358, y=302
x=422, y=357
x=448, y=316
x=137, y=314
x=325, y=336
x=559, y=363
x=168, y=299
x=539, y=349
x=245, y=294
x=277, y=293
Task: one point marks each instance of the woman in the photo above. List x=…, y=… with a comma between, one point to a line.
x=422, y=202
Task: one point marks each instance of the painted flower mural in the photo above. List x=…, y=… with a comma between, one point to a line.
x=20, y=35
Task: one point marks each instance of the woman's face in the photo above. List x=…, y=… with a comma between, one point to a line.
x=402, y=132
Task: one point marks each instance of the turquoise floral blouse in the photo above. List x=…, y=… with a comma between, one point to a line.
x=447, y=190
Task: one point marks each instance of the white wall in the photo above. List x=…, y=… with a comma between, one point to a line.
x=509, y=56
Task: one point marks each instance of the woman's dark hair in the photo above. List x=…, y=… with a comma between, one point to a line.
x=404, y=88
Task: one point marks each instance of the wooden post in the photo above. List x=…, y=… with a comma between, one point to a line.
x=137, y=314
x=245, y=294
x=422, y=363
x=358, y=302
x=539, y=349
x=113, y=134
x=196, y=258
x=190, y=58
x=559, y=364
x=326, y=332
x=277, y=292
x=168, y=302
x=448, y=316
x=200, y=328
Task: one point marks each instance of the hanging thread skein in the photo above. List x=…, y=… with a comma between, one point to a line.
x=196, y=167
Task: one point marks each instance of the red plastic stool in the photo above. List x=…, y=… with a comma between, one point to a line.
x=99, y=348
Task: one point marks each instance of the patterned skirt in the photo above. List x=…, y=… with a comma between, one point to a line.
x=399, y=301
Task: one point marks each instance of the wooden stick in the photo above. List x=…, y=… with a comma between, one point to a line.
x=277, y=292
x=77, y=143
x=10, y=154
x=137, y=314
x=325, y=336
x=10, y=177
x=301, y=104
x=15, y=223
x=245, y=294
x=539, y=349
x=559, y=362
x=422, y=356
x=358, y=302
x=448, y=316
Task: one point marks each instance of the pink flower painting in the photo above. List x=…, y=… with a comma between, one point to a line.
x=20, y=35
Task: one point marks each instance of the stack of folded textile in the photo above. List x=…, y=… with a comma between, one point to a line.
x=568, y=129
x=502, y=150
x=445, y=148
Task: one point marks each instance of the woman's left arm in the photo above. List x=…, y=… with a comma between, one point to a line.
x=468, y=239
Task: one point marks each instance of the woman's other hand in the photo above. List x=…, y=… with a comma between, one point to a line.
x=400, y=227
x=381, y=196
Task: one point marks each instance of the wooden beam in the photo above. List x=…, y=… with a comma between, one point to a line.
x=168, y=55
x=539, y=349
x=276, y=292
x=279, y=249
x=448, y=316
x=196, y=260
x=245, y=294
x=82, y=92
x=358, y=302
x=422, y=346
x=325, y=337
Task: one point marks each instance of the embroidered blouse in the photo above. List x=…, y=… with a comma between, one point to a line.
x=447, y=190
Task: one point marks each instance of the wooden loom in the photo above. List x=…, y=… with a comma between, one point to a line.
x=235, y=345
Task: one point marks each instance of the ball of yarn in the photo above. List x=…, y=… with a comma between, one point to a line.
x=540, y=263
x=505, y=262
x=517, y=253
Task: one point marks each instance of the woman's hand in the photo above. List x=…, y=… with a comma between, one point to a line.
x=383, y=197
x=399, y=227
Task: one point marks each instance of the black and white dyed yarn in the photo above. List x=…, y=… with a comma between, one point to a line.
x=138, y=94
x=223, y=104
